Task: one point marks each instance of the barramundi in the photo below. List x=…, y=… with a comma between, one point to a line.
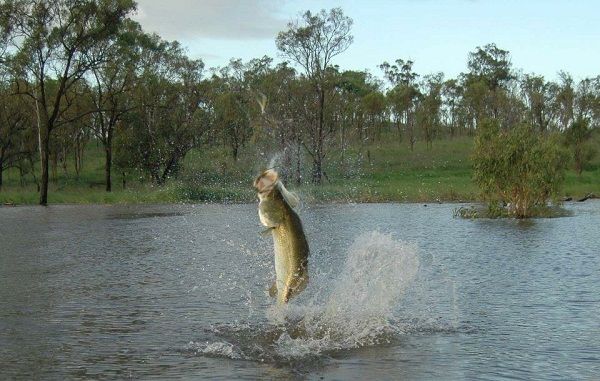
x=275, y=210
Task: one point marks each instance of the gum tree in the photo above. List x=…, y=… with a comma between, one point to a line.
x=51, y=40
x=312, y=42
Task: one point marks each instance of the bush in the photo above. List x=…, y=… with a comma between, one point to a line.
x=519, y=168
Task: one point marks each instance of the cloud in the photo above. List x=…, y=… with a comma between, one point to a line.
x=217, y=19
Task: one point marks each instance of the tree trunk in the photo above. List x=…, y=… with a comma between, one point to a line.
x=21, y=176
x=1, y=174
x=318, y=157
x=298, y=163
x=317, y=171
x=107, y=166
x=578, y=160
x=44, y=158
x=172, y=167
x=235, y=153
x=78, y=156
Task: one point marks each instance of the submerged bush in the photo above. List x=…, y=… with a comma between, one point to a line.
x=518, y=168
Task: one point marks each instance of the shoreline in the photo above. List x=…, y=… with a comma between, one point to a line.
x=311, y=200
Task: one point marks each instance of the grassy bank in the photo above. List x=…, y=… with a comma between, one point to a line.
x=383, y=171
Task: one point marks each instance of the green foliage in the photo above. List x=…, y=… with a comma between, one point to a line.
x=491, y=65
x=577, y=137
x=75, y=74
x=519, y=167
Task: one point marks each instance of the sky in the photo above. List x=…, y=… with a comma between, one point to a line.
x=542, y=36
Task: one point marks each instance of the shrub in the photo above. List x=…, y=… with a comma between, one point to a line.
x=519, y=168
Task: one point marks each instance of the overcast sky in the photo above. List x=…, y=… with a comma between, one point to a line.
x=543, y=36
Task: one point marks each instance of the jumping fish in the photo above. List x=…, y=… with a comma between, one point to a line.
x=275, y=210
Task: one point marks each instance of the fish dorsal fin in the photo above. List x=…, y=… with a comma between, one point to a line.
x=291, y=198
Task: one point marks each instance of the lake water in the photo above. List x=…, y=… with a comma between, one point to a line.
x=398, y=291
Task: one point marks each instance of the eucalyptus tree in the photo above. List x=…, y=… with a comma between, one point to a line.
x=430, y=106
x=538, y=95
x=583, y=102
x=486, y=83
x=15, y=119
x=577, y=137
x=491, y=65
x=234, y=104
x=231, y=116
x=404, y=95
x=72, y=137
x=353, y=86
x=111, y=83
x=375, y=110
x=474, y=102
x=52, y=39
x=278, y=127
x=312, y=42
x=564, y=101
x=587, y=100
x=451, y=111
x=166, y=121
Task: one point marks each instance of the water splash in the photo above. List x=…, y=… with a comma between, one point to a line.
x=275, y=160
x=355, y=308
x=359, y=311
x=216, y=349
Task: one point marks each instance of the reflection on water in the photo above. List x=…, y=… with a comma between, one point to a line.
x=397, y=291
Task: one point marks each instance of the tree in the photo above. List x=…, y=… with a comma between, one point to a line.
x=489, y=74
x=538, y=95
x=312, y=43
x=491, y=65
x=374, y=107
x=429, y=110
x=358, y=91
x=404, y=96
x=279, y=124
x=52, y=40
x=451, y=98
x=232, y=96
x=517, y=167
x=73, y=136
x=167, y=120
x=565, y=101
x=577, y=137
x=231, y=117
x=14, y=120
x=111, y=86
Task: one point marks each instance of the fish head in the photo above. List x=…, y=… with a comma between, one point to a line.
x=266, y=182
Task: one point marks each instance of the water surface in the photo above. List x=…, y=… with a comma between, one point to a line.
x=398, y=291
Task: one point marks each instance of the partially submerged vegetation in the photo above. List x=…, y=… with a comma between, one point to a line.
x=518, y=171
x=501, y=211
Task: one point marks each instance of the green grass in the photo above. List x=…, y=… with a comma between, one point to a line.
x=386, y=170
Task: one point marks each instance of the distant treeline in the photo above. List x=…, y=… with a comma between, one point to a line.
x=76, y=71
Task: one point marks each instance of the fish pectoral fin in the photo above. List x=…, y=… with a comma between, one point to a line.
x=266, y=232
x=273, y=290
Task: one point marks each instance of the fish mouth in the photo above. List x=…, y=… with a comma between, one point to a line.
x=266, y=181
